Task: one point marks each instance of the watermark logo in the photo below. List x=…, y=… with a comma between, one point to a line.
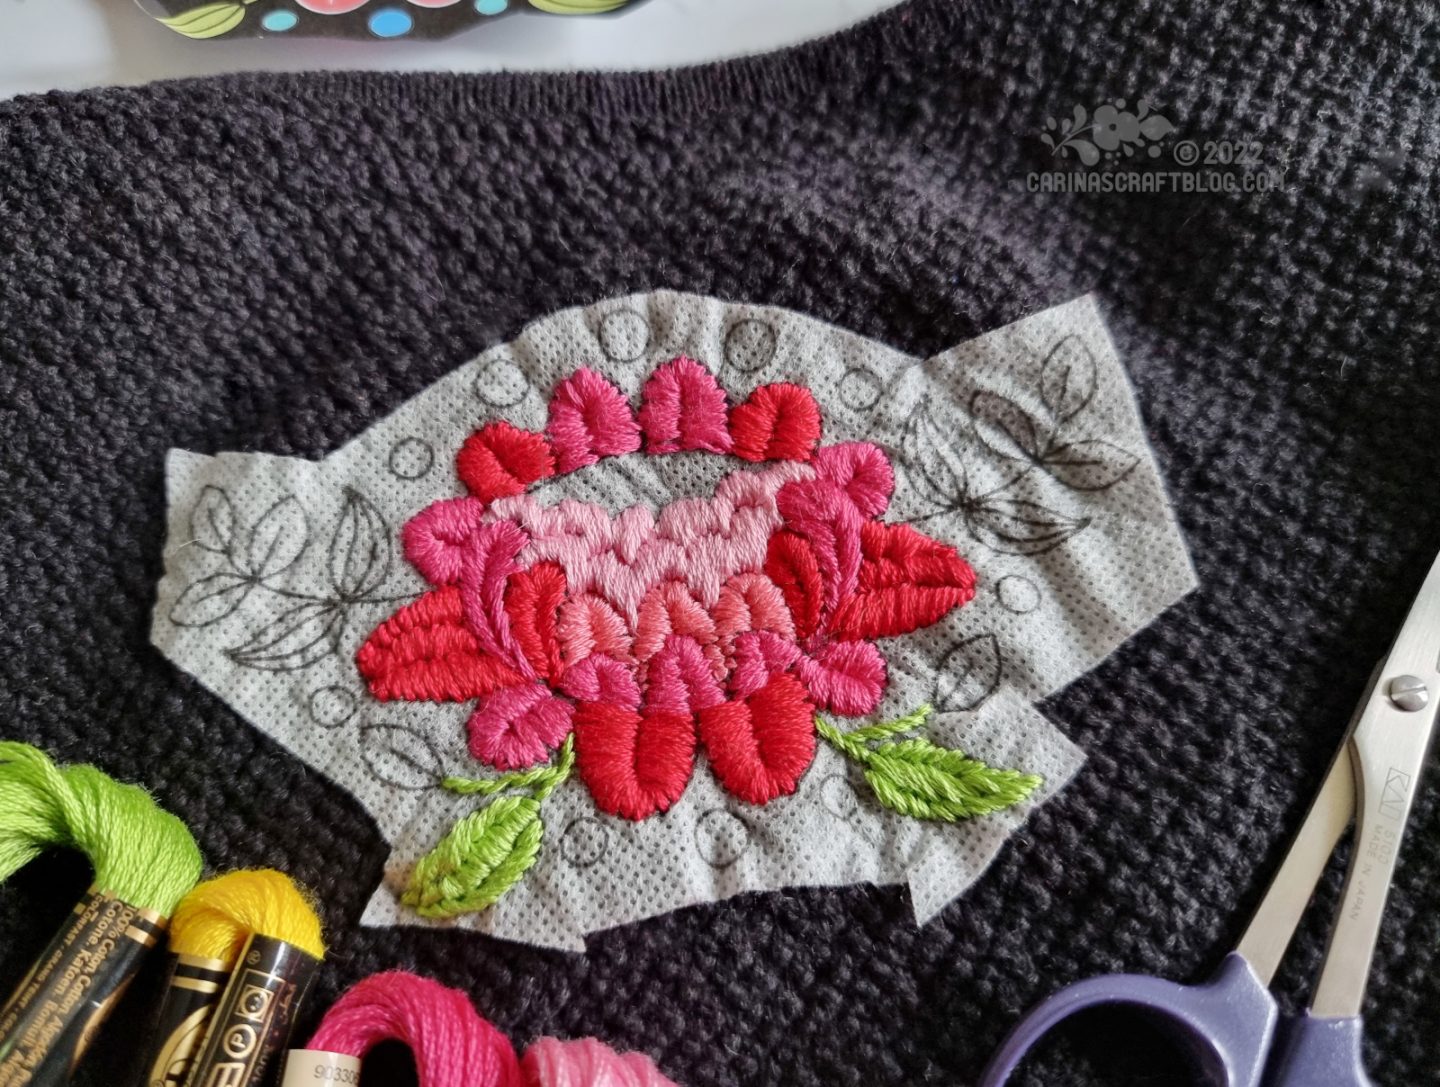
x=1114, y=148
x=1111, y=131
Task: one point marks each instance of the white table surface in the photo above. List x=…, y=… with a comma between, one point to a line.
x=69, y=44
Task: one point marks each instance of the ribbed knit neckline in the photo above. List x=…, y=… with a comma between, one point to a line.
x=910, y=33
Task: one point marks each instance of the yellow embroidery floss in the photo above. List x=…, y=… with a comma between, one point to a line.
x=244, y=948
x=144, y=861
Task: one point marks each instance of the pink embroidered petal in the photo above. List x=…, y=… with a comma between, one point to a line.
x=862, y=470
x=750, y=601
x=621, y=557
x=682, y=407
x=589, y=419
x=822, y=513
x=516, y=726
x=588, y=625
x=847, y=678
x=488, y=561
x=602, y=678
x=680, y=680
x=670, y=609
x=435, y=538
x=760, y=656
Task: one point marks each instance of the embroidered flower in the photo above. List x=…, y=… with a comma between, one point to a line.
x=724, y=622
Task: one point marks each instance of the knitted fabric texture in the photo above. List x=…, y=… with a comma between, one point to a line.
x=273, y=263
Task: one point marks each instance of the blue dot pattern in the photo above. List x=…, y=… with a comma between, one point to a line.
x=390, y=23
x=279, y=21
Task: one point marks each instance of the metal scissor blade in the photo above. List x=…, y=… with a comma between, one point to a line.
x=1388, y=749
x=1331, y=812
x=1273, y=926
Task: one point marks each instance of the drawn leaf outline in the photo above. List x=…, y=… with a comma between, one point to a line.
x=210, y=599
x=278, y=539
x=1068, y=378
x=360, y=552
x=1018, y=526
x=212, y=521
x=296, y=638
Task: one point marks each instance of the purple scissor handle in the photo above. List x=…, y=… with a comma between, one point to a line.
x=1225, y=1024
x=1229, y=1024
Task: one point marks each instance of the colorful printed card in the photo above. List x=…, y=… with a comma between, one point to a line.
x=363, y=19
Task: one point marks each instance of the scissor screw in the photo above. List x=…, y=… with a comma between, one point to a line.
x=1408, y=693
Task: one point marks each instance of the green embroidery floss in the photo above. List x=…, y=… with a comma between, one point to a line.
x=144, y=859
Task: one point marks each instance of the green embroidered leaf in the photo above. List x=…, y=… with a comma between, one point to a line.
x=922, y=780
x=482, y=857
x=207, y=21
x=540, y=780
x=919, y=779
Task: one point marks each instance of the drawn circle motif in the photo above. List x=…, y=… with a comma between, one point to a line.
x=838, y=797
x=624, y=335
x=584, y=842
x=749, y=345
x=331, y=707
x=411, y=458
x=721, y=837
x=501, y=384
x=859, y=389
x=1017, y=594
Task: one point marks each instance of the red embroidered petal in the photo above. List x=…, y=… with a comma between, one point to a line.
x=435, y=538
x=682, y=407
x=847, y=678
x=601, y=679
x=532, y=601
x=760, y=747
x=907, y=581
x=822, y=513
x=776, y=422
x=680, y=680
x=501, y=459
x=425, y=653
x=759, y=657
x=516, y=726
x=862, y=470
x=589, y=419
x=633, y=765
x=790, y=563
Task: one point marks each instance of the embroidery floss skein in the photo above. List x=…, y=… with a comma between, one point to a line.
x=207, y=935
x=452, y=1044
x=264, y=930
x=144, y=860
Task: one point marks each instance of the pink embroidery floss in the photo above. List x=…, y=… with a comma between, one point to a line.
x=454, y=1046
x=587, y=1063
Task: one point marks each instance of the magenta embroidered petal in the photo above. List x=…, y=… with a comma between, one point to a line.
x=847, y=678
x=515, y=727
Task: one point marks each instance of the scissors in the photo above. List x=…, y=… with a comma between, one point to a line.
x=1230, y=1025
